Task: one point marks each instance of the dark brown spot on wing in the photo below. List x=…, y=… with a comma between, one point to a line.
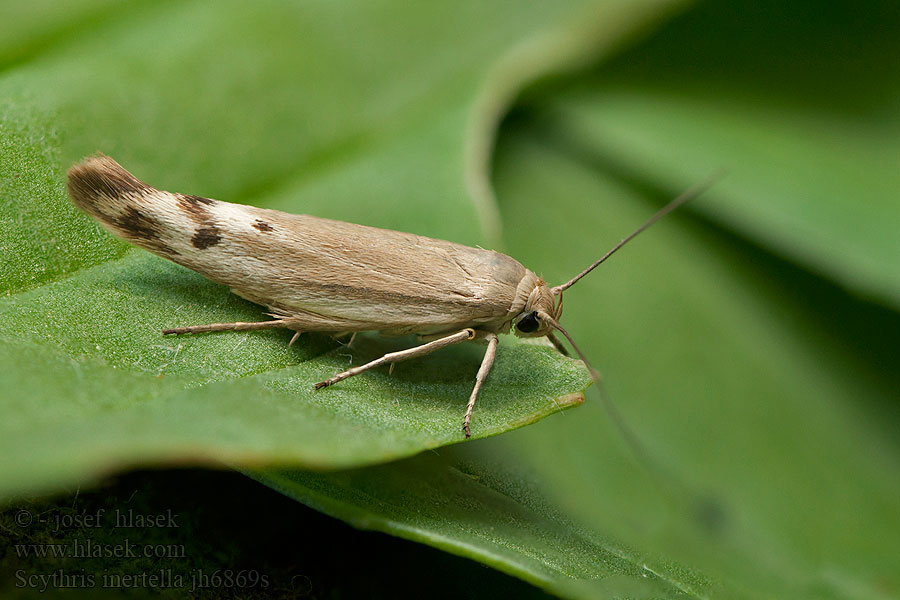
x=206, y=237
x=195, y=207
x=136, y=224
x=143, y=230
x=263, y=226
x=191, y=199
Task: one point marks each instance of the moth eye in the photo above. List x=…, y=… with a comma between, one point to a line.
x=528, y=323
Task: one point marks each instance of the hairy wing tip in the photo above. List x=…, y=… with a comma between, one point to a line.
x=99, y=176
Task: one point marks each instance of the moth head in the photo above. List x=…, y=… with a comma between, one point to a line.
x=540, y=317
x=532, y=321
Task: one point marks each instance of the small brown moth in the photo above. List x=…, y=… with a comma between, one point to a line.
x=322, y=275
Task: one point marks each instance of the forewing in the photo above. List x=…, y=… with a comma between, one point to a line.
x=327, y=275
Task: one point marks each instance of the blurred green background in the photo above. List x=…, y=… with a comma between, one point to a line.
x=750, y=341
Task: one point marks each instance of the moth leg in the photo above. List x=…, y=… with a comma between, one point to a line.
x=483, y=371
x=344, y=338
x=226, y=327
x=392, y=357
x=557, y=344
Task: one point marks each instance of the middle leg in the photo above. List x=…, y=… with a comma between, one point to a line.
x=392, y=357
x=486, y=364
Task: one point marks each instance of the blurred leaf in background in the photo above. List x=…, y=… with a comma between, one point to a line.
x=749, y=340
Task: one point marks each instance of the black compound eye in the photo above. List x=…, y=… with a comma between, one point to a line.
x=528, y=323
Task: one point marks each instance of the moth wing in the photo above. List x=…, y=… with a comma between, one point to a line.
x=326, y=275
x=376, y=279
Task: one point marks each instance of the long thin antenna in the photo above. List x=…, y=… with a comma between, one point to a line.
x=619, y=421
x=630, y=437
x=690, y=194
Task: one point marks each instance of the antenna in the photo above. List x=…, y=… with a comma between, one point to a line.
x=631, y=438
x=689, y=194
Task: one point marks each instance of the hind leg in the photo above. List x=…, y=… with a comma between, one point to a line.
x=239, y=326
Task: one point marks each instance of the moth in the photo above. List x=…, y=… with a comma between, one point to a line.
x=321, y=275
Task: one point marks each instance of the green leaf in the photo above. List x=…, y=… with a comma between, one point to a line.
x=127, y=397
x=475, y=507
x=336, y=110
